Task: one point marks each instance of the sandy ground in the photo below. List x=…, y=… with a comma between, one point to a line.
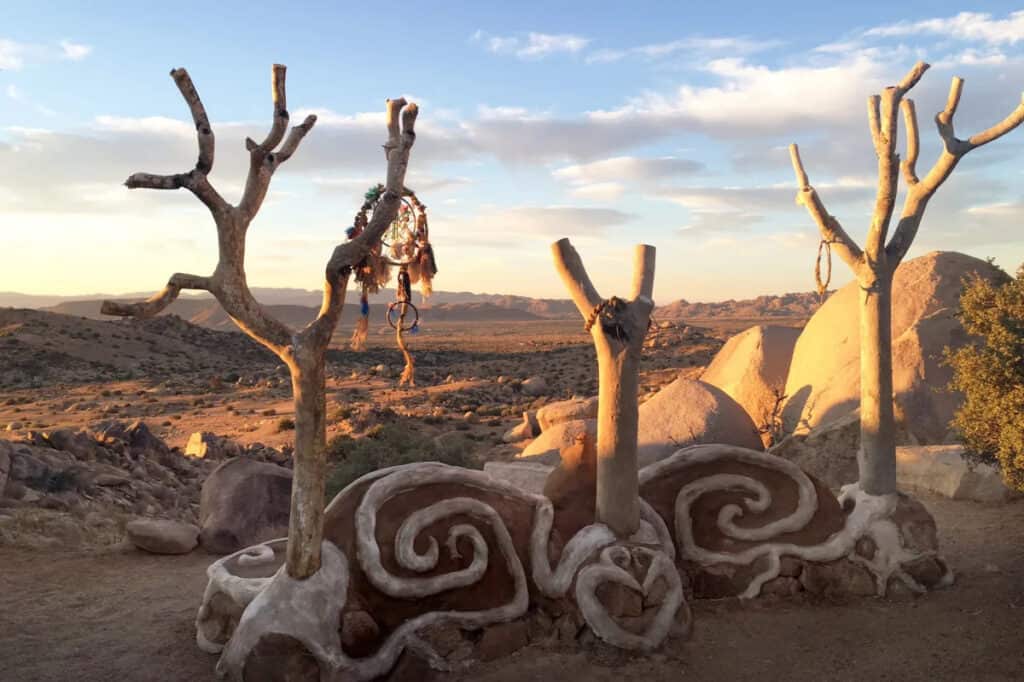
x=128, y=616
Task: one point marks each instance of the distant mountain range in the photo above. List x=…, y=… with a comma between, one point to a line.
x=296, y=307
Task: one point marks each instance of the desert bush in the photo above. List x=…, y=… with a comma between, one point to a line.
x=389, y=445
x=990, y=374
x=285, y=424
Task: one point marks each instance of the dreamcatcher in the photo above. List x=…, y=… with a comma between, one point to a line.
x=405, y=245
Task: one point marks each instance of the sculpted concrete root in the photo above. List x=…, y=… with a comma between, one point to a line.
x=873, y=518
x=399, y=547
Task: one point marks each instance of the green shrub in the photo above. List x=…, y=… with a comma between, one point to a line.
x=990, y=374
x=388, y=445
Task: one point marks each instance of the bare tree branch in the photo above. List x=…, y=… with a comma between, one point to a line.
x=831, y=230
x=954, y=149
x=574, y=275
x=203, y=130
x=401, y=125
x=643, y=273
x=156, y=303
x=913, y=142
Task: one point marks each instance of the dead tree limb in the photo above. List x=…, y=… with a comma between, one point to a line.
x=302, y=352
x=875, y=265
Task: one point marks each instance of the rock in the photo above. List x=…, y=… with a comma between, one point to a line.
x=527, y=429
x=566, y=410
x=944, y=469
x=824, y=375
x=545, y=448
x=163, y=537
x=687, y=412
x=528, y=476
x=829, y=452
x=28, y=469
x=535, y=386
x=5, y=464
x=751, y=368
x=359, y=633
x=206, y=445
x=411, y=668
x=841, y=577
x=244, y=502
x=782, y=586
x=503, y=639
x=620, y=600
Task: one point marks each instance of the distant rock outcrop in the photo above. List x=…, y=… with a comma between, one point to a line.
x=824, y=375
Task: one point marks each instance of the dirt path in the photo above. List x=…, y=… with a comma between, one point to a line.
x=128, y=616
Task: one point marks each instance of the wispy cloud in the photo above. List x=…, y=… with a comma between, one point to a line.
x=696, y=45
x=532, y=45
x=15, y=55
x=75, y=51
x=965, y=26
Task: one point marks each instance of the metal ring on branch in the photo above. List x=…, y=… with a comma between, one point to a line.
x=403, y=309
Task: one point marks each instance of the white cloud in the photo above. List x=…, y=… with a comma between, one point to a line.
x=599, y=191
x=627, y=168
x=14, y=93
x=533, y=45
x=75, y=51
x=965, y=26
x=692, y=45
x=14, y=55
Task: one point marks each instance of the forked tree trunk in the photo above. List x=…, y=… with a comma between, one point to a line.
x=875, y=265
x=618, y=328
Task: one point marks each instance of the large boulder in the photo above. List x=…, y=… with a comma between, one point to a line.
x=751, y=368
x=824, y=375
x=544, y=448
x=160, y=536
x=681, y=414
x=828, y=452
x=244, y=502
x=688, y=412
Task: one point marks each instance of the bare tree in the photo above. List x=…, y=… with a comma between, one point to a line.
x=875, y=265
x=618, y=328
x=303, y=351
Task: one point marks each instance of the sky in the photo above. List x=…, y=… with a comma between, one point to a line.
x=609, y=123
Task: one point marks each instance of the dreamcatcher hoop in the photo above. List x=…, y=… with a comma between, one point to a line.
x=403, y=309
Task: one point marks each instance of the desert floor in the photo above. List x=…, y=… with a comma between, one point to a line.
x=124, y=615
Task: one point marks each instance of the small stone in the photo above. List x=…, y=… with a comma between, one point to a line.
x=790, y=567
x=503, y=639
x=567, y=628
x=163, y=537
x=359, y=633
x=620, y=601
x=783, y=586
x=535, y=386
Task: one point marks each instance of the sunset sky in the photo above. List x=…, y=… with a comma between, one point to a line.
x=612, y=124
